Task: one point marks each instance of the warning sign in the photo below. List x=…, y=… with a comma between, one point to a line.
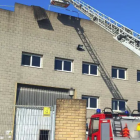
x=8, y=132
x=46, y=111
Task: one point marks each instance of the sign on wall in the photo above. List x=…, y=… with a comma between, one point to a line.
x=46, y=111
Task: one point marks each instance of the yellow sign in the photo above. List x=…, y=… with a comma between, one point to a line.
x=138, y=127
x=46, y=111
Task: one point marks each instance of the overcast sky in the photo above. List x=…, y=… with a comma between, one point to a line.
x=126, y=12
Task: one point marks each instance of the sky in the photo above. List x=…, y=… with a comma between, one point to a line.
x=127, y=12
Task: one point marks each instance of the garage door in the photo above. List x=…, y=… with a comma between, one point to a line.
x=39, y=96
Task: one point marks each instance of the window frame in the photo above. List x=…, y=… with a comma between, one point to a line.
x=91, y=129
x=63, y=60
x=31, y=58
x=138, y=71
x=89, y=68
x=118, y=105
x=117, y=68
x=95, y=119
x=89, y=97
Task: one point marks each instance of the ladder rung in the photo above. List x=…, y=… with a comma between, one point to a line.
x=117, y=130
x=118, y=126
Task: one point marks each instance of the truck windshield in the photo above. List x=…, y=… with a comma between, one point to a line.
x=94, y=127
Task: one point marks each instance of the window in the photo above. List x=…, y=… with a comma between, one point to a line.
x=92, y=102
x=118, y=105
x=118, y=73
x=89, y=69
x=63, y=65
x=31, y=60
x=138, y=106
x=94, y=126
x=44, y=135
x=138, y=76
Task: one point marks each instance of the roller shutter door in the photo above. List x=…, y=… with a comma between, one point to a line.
x=39, y=96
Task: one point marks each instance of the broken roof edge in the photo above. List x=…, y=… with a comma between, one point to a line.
x=19, y=6
x=14, y=7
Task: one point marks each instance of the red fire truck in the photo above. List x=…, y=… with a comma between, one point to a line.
x=114, y=126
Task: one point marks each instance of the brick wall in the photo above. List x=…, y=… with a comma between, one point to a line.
x=70, y=120
x=19, y=31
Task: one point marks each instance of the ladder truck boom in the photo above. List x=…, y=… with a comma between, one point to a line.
x=121, y=33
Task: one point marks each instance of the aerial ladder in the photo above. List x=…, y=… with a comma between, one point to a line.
x=121, y=33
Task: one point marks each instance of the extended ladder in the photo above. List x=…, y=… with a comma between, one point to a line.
x=124, y=35
x=117, y=127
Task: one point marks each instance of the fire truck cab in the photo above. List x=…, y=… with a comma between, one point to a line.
x=114, y=126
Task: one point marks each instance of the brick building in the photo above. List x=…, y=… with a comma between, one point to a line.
x=40, y=59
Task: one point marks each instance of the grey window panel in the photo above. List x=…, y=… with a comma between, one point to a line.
x=36, y=61
x=114, y=104
x=85, y=98
x=122, y=74
x=39, y=96
x=138, y=106
x=122, y=105
x=114, y=73
x=85, y=69
x=93, y=103
x=93, y=69
x=67, y=66
x=138, y=76
x=26, y=59
x=58, y=64
x=105, y=134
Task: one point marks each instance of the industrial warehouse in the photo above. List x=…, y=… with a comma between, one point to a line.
x=60, y=57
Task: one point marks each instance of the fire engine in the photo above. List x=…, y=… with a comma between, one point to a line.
x=114, y=126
